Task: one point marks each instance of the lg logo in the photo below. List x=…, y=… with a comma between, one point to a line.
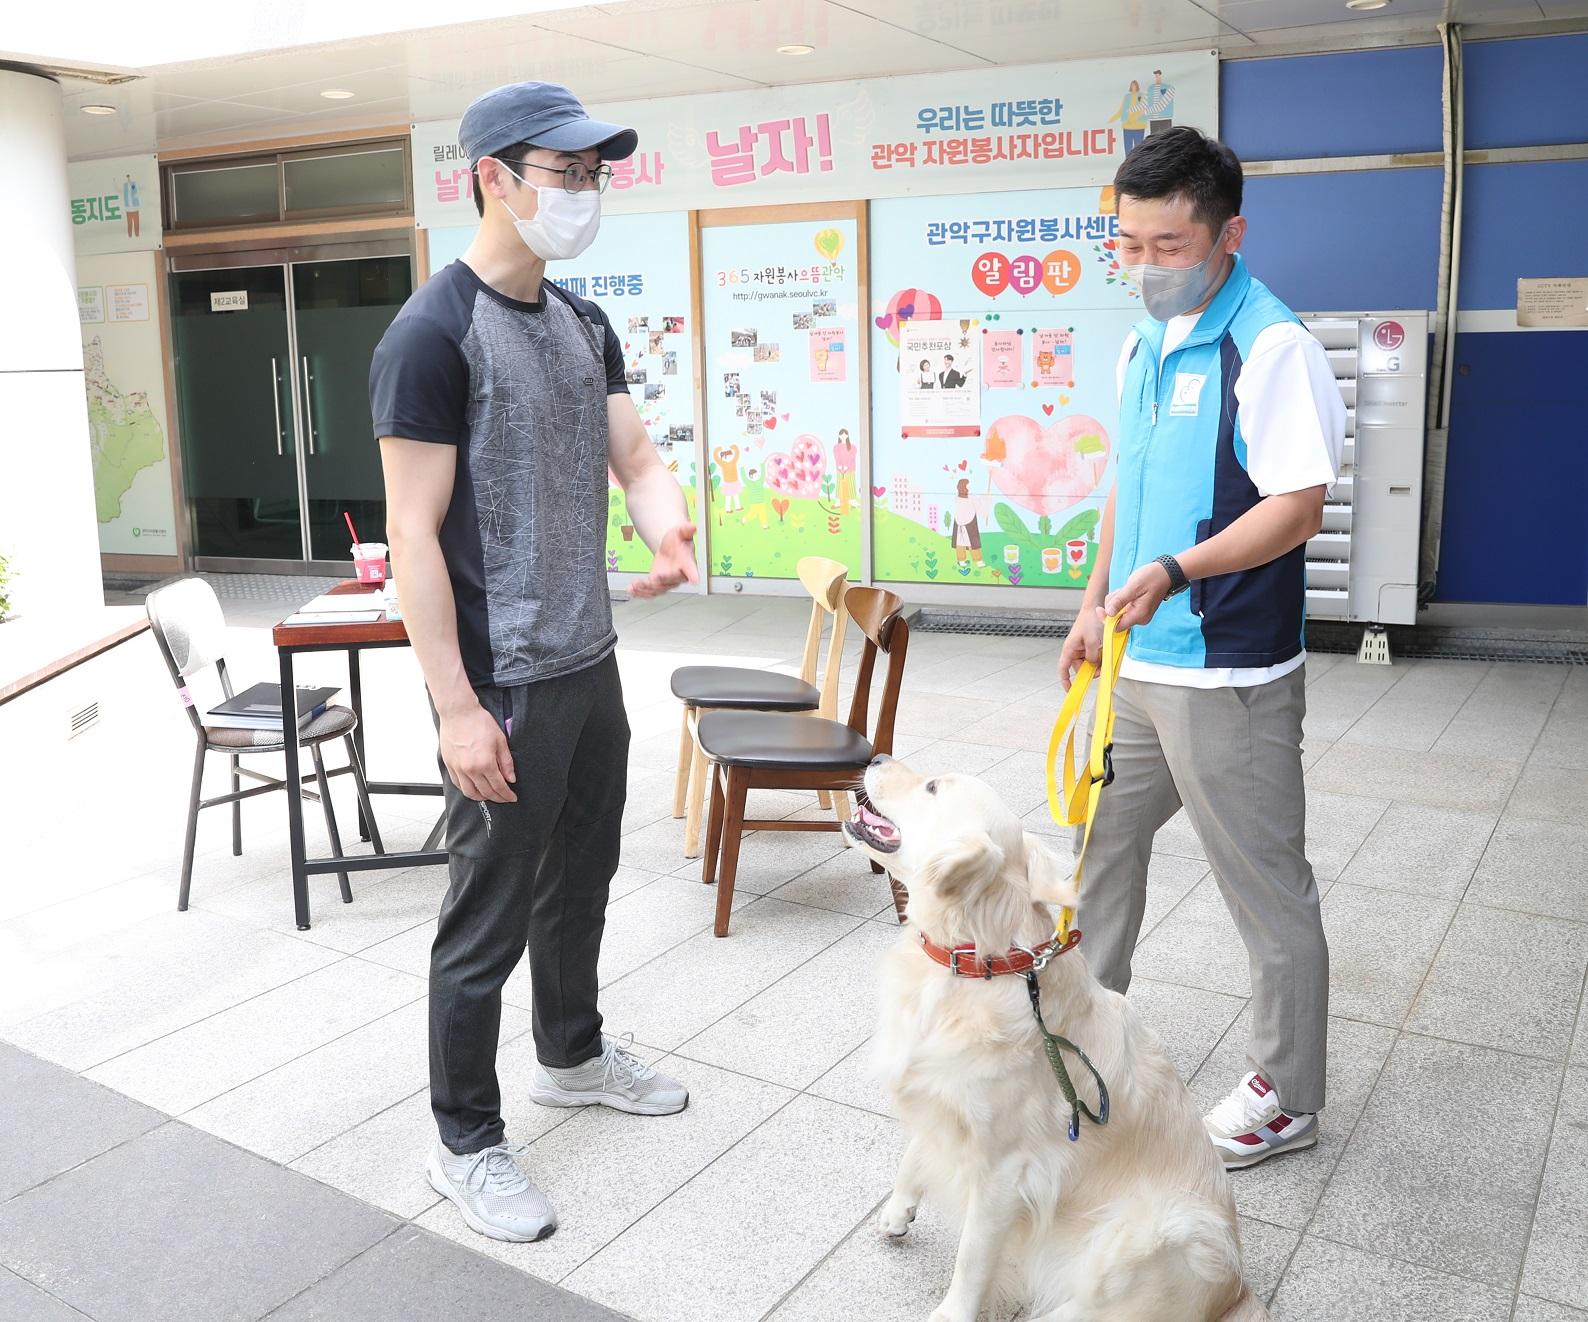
x=1389, y=335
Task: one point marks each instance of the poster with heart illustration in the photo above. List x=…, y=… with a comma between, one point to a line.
x=1030, y=285
x=781, y=320
x=1002, y=359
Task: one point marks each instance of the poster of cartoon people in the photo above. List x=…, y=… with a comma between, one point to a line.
x=1030, y=284
x=783, y=402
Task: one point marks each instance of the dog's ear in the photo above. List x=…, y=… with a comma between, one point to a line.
x=973, y=862
x=1048, y=878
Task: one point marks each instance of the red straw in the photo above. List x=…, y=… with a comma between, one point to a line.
x=350, y=527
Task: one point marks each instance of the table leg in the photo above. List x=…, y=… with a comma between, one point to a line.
x=355, y=693
x=289, y=730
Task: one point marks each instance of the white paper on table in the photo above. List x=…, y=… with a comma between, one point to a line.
x=336, y=617
x=340, y=603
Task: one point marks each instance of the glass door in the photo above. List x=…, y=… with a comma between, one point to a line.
x=341, y=308
x=272, y=351
x=232, y=344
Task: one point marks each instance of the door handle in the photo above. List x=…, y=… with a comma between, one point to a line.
x=275, y=400
x=308, y=403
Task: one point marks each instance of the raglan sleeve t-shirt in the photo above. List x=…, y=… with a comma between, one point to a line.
x=520, y=389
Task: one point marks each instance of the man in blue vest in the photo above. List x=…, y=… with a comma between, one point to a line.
x=1231, y=431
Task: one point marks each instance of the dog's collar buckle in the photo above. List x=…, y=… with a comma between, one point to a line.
x=964, y=962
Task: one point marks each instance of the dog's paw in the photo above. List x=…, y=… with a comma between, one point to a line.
x=895, y=1220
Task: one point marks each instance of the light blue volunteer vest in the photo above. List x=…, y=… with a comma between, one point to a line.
x=1182, y=478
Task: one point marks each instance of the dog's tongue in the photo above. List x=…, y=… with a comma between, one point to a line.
x=877, y=823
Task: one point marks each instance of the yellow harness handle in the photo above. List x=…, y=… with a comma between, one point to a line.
x=1082, y=791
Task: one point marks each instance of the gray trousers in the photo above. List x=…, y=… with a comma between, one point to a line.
x=533, y=874
x=1232, y=756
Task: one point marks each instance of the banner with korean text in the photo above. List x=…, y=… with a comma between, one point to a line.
x=115, y=204
x=984, y=130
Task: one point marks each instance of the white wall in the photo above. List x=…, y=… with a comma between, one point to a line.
x=47, y=524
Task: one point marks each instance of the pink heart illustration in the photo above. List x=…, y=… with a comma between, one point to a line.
x=879, y=492
x=1048, y=469
x=798, y=472
x=770, y=424
x=883, y=322
x=785, y=417
x=1048, y=409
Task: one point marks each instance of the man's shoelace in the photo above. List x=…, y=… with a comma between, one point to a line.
x=619, y=1065
x=1242, y=1110
x=493, y=1170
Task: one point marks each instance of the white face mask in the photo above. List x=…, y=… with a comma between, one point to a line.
x=564, y=223
x=1172, y=291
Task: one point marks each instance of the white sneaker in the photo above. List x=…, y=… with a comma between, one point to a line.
x=1249, y=1125
x=616, y=1078
x=493, y=1195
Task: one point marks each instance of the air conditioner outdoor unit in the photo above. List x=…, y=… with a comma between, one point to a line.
x=1363, y=565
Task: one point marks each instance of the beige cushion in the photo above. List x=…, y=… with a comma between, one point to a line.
x=332, y=723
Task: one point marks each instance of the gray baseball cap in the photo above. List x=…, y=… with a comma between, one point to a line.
x=545, y=114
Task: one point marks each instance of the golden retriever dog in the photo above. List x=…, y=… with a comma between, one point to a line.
x=1131, y=1222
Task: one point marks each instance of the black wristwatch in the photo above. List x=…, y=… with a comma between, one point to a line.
x=1178, y=582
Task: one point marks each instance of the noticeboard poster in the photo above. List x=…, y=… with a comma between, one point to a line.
x=1029, y=288
x=783, y=401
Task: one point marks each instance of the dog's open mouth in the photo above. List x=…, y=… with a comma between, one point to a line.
x=871, y=828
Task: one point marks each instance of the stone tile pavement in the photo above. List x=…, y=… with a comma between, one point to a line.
x=212, y=1115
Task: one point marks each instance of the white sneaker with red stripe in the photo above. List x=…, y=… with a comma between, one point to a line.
x=1249, y=1125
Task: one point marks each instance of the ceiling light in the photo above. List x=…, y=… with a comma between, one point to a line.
x=796, y=50
x=336, y=94
x=98, y=110
x=1360, y=5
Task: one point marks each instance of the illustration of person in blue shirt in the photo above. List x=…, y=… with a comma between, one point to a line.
x=1160, y=104
x=129, y=206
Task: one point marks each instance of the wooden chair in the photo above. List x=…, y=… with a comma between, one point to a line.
x=771, y=750
x=745, y=689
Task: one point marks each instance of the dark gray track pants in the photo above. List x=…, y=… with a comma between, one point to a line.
x=533, y=874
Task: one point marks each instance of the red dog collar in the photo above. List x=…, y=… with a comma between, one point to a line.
x=964, y=962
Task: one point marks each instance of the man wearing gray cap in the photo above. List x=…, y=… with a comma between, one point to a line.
x=500, y=404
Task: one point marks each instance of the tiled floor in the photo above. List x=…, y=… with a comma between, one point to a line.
x=221, y=1116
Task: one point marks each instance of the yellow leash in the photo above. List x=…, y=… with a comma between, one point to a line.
x=1082, y=791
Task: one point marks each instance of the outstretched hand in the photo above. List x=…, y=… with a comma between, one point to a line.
x=673, y=564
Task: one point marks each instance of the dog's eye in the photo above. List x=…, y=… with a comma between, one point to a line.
x=931, y=787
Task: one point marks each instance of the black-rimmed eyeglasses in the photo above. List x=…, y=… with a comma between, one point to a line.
x=576, y=178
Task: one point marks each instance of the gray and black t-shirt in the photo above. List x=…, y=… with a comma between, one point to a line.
x=521, y=390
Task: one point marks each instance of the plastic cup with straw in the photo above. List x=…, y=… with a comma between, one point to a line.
x=369, y=558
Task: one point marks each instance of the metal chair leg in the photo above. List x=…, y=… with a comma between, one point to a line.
x=237, y=811
x=330, y=819
x=192, y=827
x=368, y=813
